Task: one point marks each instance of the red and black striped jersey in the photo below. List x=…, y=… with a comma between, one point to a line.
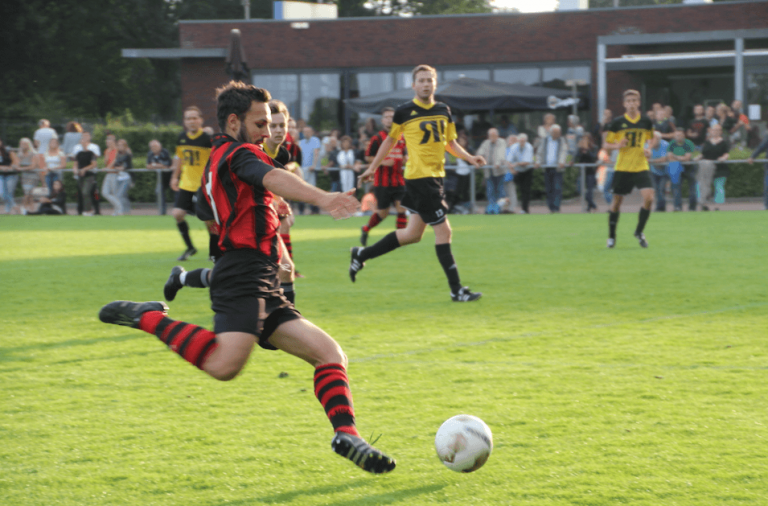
x=293, y=149
x=236, y=198
x=388, y=175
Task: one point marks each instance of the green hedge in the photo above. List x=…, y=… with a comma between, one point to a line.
x=136, y=134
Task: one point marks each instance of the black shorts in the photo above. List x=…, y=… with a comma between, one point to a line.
x=623, y=182
x=388, y=195
x=426, y=197
x=185, y=200
x=246, y=296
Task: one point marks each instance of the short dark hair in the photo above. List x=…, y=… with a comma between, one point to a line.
x=279, y=107
x=235, y=98
x=387, y=109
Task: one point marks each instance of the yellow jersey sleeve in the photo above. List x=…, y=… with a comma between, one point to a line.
x=395, y=132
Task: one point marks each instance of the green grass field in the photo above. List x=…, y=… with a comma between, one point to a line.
x=622, y=376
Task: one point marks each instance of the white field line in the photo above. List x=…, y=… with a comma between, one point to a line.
x=545, y=332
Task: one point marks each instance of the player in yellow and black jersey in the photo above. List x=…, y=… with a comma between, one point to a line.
x=192, y=151
x=629, y=134
x=429, y=131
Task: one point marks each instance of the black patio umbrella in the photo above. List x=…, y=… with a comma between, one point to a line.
x=469, y=95
x=237, y=63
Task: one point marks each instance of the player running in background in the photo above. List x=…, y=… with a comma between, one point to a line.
x=429, y=131
x=628, y=134
x=388, y=182
x=273, y=146
x=192, y=151
x=249, y=306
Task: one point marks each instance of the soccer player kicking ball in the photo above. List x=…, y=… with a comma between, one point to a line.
x=628, y=134
x=245, y=293
x=429, y=131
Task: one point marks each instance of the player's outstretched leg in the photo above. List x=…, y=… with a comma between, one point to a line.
x=302, y=339
x=194, y=344
x=179, y=278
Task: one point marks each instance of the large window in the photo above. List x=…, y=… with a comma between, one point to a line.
x=528, y=76
x=283, y=87
x=320, y=100
x=363, y=84
x=556, y=77
x=452, y=75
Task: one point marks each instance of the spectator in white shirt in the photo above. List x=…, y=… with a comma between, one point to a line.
x=43, y=135
x=346, y=161
x=493, y=149
x=552, y=154
x=520, y=163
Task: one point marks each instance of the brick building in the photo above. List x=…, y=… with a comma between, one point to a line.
x=678, y=54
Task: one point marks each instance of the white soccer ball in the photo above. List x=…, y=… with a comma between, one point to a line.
x=463, y=443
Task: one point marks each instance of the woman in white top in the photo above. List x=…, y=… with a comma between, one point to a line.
x=346, y=161
x=53, y=160
x=29, y=164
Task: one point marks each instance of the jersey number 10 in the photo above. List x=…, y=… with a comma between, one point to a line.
x=433, y=129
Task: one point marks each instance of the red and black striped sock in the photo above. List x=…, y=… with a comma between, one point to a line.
x=287, y=240
x=332, y=390
x=402, y=220
x=375, y=220
x=194, y=344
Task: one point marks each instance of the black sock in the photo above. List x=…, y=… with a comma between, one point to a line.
x=642, y=219
x=386, y=244
x=195, y=279
x=184, y=231
x=449, y=266
x=288, y=291
x=613, y=219
x=214, y=253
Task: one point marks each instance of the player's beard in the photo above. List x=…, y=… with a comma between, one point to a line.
x=243, y=135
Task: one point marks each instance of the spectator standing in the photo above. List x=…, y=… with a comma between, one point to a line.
x=55, y=203
x=346, y=160
x=761, y=148
x=520, y=158
x=663, y=124
x=460, y=198
x=669, y=114
x=599, y=130
x=510, y=188
x=697, y=128
x=158, y=158
x=659, y=171
x=123, y=163
x=109, y=184
x=370, y=129
x=505, y=127
x=54, y=162
x=86, y=156
x=29, y=164
x=493, y=150
x=332, y=167
x=681, y=150
x=726, y=118
x=71, y=138
x=543, y=131
x=310, y=153
x=738, y=133
x=334, y=134
x=43, y=136
x=607, y=169
x=715, y=149
x=552, y=154
x=573, y=134
x=587, y=153
x=9, y=177
x=710, y=114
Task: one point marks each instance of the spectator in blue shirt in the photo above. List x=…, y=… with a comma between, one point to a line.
x=659, y=171
x=310, y=162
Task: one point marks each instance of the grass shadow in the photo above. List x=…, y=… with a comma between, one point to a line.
x=7, y=354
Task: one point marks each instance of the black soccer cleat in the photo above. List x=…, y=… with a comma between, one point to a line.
x=355, y=264
x=363, y=237
x=127, y=313
x=173, y=284
x=465, y=295
x=188, y=253
x=641, y=239
x=611, y=242
x=361, y=453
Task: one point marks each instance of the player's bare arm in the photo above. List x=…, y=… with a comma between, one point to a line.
x=384, y=150
x=290, y=187
x=456, y=150
x=175, y=174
